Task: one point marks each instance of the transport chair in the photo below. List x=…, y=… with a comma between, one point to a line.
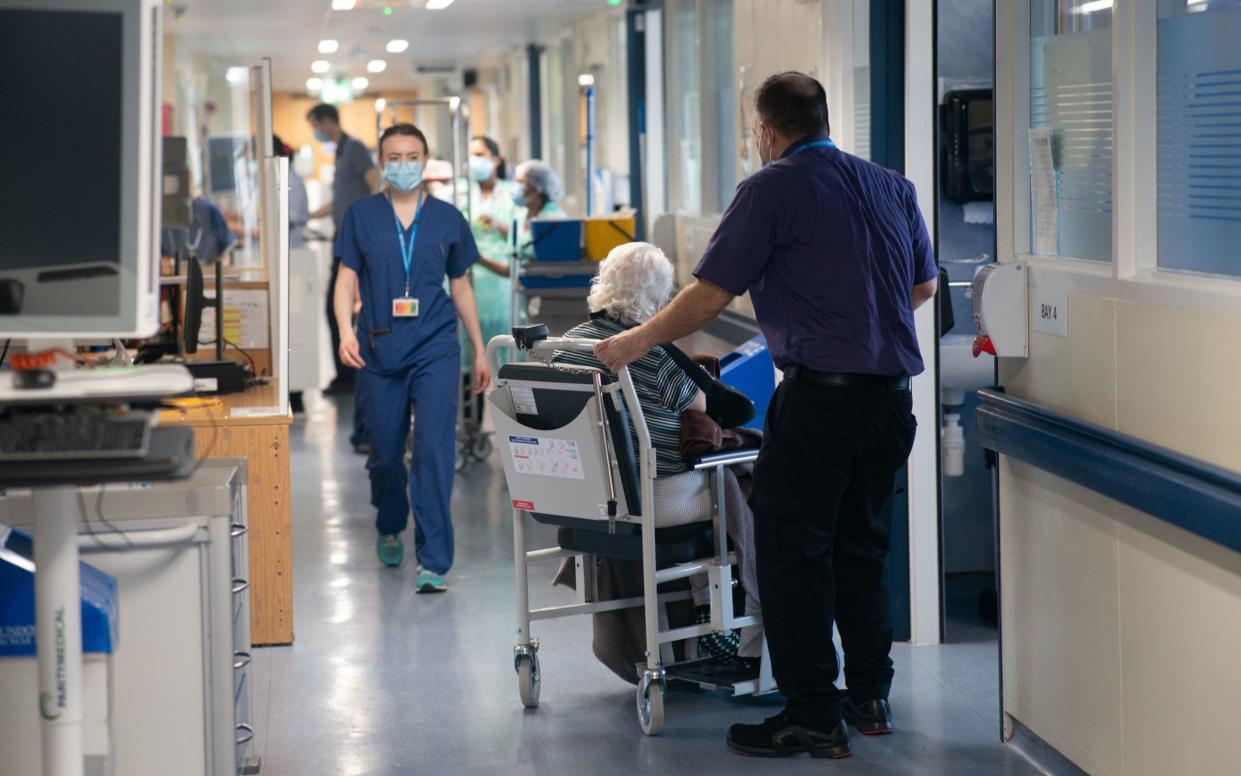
x=563, y=435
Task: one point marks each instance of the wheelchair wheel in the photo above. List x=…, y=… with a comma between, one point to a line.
x=481, y=448
x=650, y=698
x=529, y=680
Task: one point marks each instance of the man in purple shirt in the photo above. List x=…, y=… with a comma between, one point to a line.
x=835, y=255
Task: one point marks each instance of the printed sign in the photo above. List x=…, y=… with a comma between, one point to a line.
x=526, y=505
x=545, y=457
x=1051, y=312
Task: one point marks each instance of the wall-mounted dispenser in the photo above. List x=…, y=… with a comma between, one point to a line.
x=1002, y=310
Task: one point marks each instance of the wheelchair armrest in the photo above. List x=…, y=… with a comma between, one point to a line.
x=724, y=458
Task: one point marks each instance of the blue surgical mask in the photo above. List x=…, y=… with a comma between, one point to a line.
x=322, y=137
x=481, y=168
x=403, y=176
x=519, y=198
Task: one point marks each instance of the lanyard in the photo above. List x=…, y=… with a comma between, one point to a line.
x=407, y=251
x=816, y=144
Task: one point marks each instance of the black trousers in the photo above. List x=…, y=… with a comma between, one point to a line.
x=344, y=374
x=823, y=485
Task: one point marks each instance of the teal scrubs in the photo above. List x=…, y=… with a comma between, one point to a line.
x=492, y=292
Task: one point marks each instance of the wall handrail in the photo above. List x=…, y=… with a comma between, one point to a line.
x=1194, y=495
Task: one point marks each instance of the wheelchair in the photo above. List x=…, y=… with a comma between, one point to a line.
x=564, y=438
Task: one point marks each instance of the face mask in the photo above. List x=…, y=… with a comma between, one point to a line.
x=403, y=176
x=765, y=160
x=519, y=198
x=322, y=136
x=481, y=168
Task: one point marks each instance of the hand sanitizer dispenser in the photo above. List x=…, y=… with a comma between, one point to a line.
x=1002, y=310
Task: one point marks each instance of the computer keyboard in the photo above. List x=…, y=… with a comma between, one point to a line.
x=72, y=436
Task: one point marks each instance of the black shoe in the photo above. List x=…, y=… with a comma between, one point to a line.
x=871, y=718
x=782, y=736
x=339, y=387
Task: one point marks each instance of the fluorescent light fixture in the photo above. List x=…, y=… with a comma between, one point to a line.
x=343, y=5
x=328, y=46
x=586, y=79
x=236, y=75
x=380, y=104
x=360, y=83
x=314, y=84
x=1095, y=5
x=376, y=66
x=438, y=5
x=397, y=46
x=320, y=66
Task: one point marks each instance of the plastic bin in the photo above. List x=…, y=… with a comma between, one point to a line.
x=605, y=233
x=556, y=239
x=749, y=369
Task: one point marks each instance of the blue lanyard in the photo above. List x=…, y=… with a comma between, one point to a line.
x=816, y=144
x=407, y=251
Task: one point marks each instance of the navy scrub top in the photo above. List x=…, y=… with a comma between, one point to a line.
x=368, y=244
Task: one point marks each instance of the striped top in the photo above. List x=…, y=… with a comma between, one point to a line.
x=664, y=391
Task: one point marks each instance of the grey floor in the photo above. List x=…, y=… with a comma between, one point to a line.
x=382, y=681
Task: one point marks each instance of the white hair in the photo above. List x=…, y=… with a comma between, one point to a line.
x=634, y=283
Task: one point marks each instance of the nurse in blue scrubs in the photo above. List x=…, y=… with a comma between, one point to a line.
x=397, y=247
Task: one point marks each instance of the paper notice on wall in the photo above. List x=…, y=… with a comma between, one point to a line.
x=245, y=319
x=1043, y=193
x=546, y=457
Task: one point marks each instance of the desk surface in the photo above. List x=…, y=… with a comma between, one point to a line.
x=255, y=396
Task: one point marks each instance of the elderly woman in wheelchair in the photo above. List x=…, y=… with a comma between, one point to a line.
x=600, y=457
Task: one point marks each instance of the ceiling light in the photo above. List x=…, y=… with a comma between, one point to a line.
x=586, y=79
x=236, y=75
x=328, y=46
x=397, y=46
x=320, y=66
x=376, y=66
x=314, y=84
x=380, y=104
x=360, y=84
x=438, y=5
x=343, y=5
x=1095, y=5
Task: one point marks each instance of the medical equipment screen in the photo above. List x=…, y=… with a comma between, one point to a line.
x=60, y=147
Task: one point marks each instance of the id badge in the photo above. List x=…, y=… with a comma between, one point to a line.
x=404, y=307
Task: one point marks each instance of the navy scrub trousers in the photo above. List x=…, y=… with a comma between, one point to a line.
x=412, y=363
x=430, y=388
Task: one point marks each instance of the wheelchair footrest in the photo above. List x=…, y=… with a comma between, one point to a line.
x=714, y=673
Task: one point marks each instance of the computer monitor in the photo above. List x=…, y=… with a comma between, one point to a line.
x=79, y=205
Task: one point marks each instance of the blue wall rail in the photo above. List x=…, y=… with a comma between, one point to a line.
x=1199, y=497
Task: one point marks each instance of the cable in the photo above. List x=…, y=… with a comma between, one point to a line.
x=42, y=360
x=90, y=527
x=5, y=354
x=243, y=352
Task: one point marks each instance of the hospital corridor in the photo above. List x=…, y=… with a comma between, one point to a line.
x=613, y=387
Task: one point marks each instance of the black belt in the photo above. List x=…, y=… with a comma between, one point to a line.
x=846, y=380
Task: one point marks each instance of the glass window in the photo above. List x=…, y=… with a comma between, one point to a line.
x=1071, y=103
x=685, y=133
x=1199, y=135
x=725, y=102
